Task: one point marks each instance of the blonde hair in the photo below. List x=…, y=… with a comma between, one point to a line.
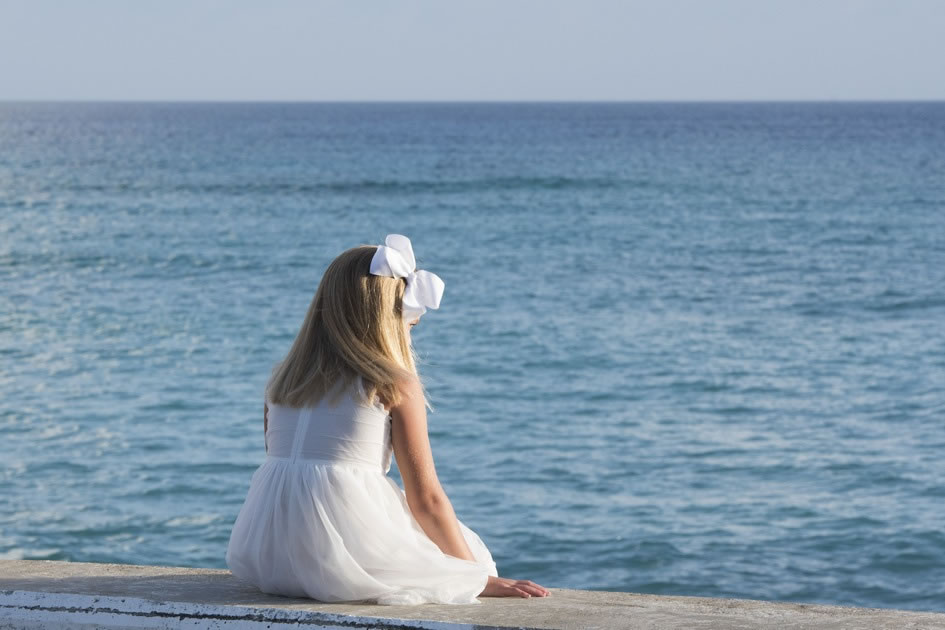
x=354, y=327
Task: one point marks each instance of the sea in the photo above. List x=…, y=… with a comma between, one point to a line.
x=684, y=348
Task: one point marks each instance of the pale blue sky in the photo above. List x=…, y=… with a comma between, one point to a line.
x=464, y=50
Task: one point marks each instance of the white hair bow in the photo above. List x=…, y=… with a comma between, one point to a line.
x=395, y=258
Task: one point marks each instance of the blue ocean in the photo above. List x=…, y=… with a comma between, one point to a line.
x=684, y=348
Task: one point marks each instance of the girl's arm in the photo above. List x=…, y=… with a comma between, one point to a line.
x=425, y=496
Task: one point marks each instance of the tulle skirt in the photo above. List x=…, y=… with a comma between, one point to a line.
x=343, y=532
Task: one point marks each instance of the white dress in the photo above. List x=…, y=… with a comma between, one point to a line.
x=323, y=520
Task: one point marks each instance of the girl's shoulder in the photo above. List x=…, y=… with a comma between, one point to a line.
x=377, y=401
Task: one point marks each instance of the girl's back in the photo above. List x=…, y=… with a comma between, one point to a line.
x=344, y=431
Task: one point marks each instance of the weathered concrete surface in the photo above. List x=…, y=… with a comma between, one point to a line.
x=42, y=594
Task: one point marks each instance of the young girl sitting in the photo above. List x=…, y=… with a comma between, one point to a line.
x=322, y=519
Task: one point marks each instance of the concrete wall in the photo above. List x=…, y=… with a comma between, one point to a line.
x=73, y=595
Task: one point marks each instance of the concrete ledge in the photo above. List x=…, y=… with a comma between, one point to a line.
x=43, y=594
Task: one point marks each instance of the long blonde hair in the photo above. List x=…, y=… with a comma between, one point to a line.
x=354, y=327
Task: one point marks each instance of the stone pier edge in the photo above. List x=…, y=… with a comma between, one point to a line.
x=55, y=595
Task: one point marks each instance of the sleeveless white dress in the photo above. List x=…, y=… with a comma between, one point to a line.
x=323, y=520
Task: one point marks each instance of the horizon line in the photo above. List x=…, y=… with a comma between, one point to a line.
x=471, y=102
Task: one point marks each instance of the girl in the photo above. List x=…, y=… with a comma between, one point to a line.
x=321, y=518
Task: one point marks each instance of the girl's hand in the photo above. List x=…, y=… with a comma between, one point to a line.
x=504, y=587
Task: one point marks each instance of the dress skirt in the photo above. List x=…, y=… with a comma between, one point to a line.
x=339, y=532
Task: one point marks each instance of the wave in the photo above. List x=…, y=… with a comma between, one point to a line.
x=364, y=186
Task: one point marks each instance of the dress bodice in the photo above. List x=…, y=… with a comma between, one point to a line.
x=347, y=431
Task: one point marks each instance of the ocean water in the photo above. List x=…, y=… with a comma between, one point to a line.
x=689, y=349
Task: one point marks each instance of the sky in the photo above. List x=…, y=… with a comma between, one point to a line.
x=462, y=50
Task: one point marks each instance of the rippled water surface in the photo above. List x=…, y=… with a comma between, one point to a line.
x=684, y=348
